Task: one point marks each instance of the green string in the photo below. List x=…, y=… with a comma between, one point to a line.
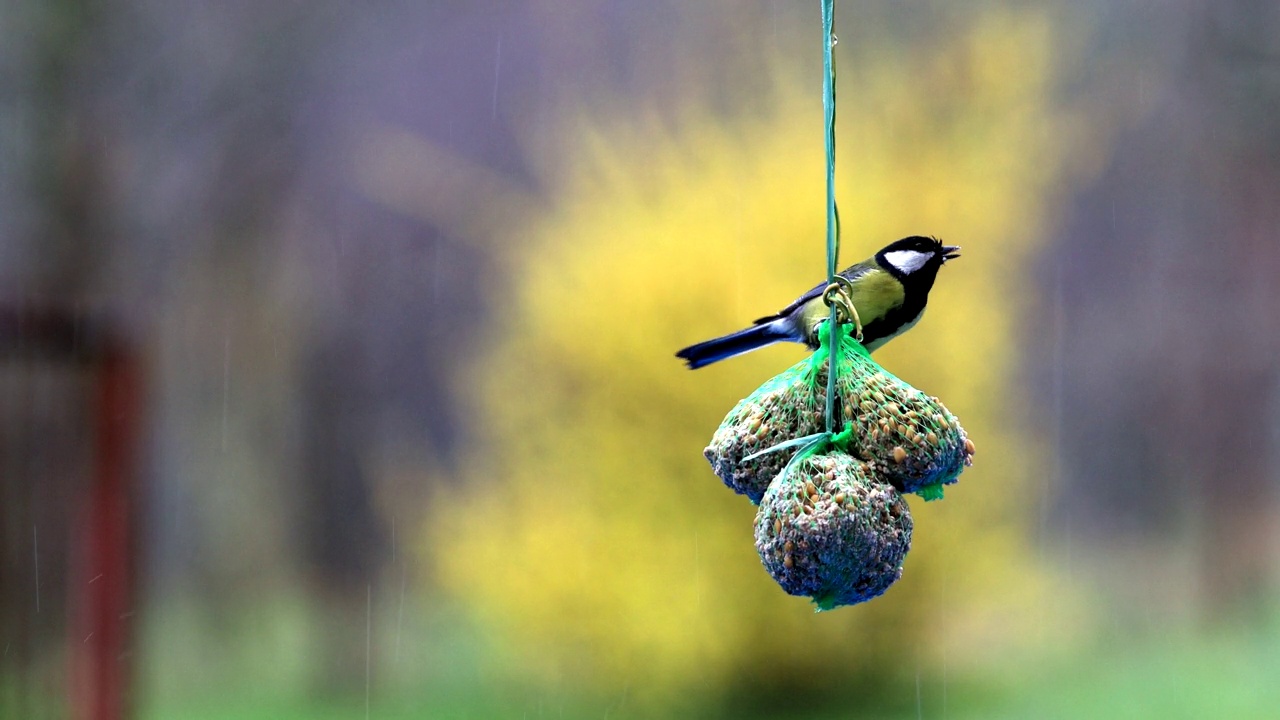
x=833, y=216
x=834, y=436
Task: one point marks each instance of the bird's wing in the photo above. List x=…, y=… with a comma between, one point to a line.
x=851, y=273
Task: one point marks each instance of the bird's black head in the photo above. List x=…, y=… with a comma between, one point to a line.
x=916, y=258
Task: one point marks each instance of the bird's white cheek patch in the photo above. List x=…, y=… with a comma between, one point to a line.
x=907, y=261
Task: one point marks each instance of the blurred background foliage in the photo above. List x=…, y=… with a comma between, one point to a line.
x=406, y=280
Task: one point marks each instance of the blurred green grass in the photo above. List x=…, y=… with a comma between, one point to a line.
x=1223, y=671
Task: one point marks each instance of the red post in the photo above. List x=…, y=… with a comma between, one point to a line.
x=103, y=577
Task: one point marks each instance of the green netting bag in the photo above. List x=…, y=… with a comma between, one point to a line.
x=913, y=439
x=828, y=530
x=786, y=407
x=916, y=443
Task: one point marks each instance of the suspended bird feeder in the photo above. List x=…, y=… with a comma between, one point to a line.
x=829, y=447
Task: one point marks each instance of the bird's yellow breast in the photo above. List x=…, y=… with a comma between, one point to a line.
x=875, y=294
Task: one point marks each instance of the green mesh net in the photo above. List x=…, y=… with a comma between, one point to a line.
x=827, y=530
x=916, y=444
x=787, y=407
x=910, y=439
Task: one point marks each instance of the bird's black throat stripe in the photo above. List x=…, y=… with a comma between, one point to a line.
x=892, y=322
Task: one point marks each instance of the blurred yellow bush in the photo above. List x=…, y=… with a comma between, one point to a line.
x=590, y=538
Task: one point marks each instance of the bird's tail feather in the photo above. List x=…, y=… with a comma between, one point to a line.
x=705, y=353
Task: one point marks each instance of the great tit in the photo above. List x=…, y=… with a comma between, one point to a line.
x=889, y=291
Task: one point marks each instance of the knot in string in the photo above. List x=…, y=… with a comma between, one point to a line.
x=838, y=295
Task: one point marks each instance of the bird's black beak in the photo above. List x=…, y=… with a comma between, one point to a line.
x=950, y=252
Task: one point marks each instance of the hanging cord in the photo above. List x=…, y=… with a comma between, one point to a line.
x=838, y=292
x=834, y=424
